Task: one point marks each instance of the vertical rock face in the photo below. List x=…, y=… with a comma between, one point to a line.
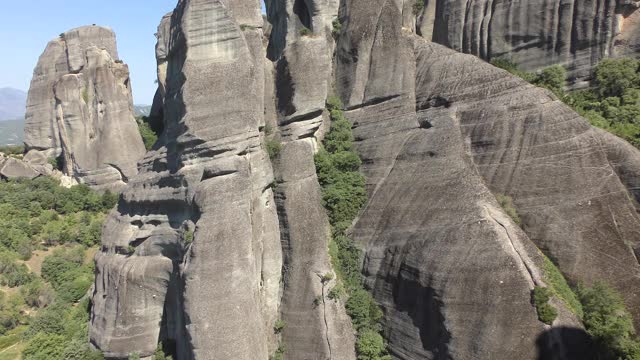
x=441, y=134
x=535, y=34
x=80, y=107
x=314, y=331
x=212, y=242
x=192, y=255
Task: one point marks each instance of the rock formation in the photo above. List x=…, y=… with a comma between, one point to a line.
x=437, y=131
x=80, y=108
x=213, y=241
x=576, y=34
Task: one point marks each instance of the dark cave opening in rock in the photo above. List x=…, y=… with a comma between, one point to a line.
x=301, y=9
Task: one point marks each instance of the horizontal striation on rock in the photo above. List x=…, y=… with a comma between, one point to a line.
x=80, y=108
x=436, y=142
x=199, y=221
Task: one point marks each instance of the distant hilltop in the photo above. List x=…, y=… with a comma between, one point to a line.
x=12, y=103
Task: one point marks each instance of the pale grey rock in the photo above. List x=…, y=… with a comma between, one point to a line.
x=12, y=168
x=80, y=107
x=439, y=137
x=218, y=296
x=535, y=34
x=302, y=69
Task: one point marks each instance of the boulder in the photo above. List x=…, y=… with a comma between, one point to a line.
x=12, y=168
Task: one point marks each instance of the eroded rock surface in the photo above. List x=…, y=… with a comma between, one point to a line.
x=535, y=34
x=438, y=136
x=80, y=107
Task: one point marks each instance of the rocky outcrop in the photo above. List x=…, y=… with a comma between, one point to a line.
x=80, y=108
x=212, y=241
x=192, y=256
x=314, y=328
x=439, y=133
x=576, y=34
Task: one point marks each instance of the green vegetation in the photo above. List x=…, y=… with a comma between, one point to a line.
x=560, y=288
x=279, y=326
x=546, y=312
x=149, y=137
x=506, y=202
x=41, y=212
x=279, y=353
x=337, y=27
x=613, y=102
x=12, y=149
x=343, y=195
x=273, y=148
x=85, y=95
x=188, y=237
x=608, y=322
x=48, y=315
x=57, y=163
x=418, y=6
x=305, y=31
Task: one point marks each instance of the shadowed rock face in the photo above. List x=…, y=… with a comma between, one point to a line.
x=80, y=107
x=217, y=294
x=535, y=34
x=211, y=242
x=442, y=134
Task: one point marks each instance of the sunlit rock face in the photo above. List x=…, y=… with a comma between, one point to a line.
x=80, y=108
x=212, y=241
x=191, y=255
x=535, y=34
x=440, y=133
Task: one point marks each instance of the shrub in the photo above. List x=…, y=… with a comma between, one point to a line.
x=512, y=67
x=546, y=312
x=149, y=137
x=188, y=237
x=558, y=285
x=44, y=347
x=552, y=78
x=12, y=149
x=305, y=31
x=336, y=27
x=371, y=346
x=273, y=149
x=343, y=195
x=326, y=277
x=418, y=6
x=85, y=95
x=279, y=326
x=506, y=202
x=614, y=76
x=336, y=292
x=279, y=353
x=80, y=350
x=608, y=322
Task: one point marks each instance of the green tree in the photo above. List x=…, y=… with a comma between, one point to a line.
x=45, y=346
x=614, y=76
x=370, y=346
x=608, y=322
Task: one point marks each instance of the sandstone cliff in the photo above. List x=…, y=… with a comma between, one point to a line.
x=80, y=108
x=437, y=133
x=213, y=241
x=535, y=34
x=192, y=255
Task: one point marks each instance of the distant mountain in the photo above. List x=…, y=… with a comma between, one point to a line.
x=12, y=103
x=11, y=132
x=141, y=110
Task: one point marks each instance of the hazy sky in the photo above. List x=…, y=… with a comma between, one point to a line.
x=27, y=25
